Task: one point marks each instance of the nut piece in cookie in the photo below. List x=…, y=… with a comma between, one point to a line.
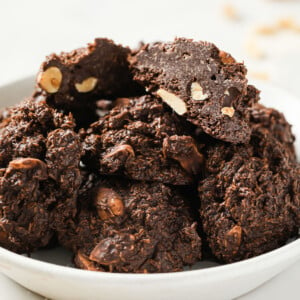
x=143, y=140
x=152, y=231
x=200, y=82
x=108, y=203
x=39, y=175
x=50, y=80
x=185, y=151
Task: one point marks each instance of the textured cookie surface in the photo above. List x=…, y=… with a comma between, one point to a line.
x=200, y=82
x=39, y=175
x=250, y=198
x=270, y=121
x=133, y=227
x=143, y=140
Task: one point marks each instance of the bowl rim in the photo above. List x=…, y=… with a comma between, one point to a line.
x=239, y=268
x=260, y=262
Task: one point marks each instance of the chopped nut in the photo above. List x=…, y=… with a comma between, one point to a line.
x=103, y=254
x=36, y=167
x=118, y=155
x=184, y=150
x=111, y=250
x=228, y=111
x=86, y=85
x=84, y=263
x=173, y=101
x=50, y=80
x=27, y=163
x=197, y=92
x=234, y=237
x=121, y=150
x=109, y=204
x=226, y=58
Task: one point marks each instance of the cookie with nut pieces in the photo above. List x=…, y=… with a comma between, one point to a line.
x=200, y=82
x=143, y=140
x=132, y=227
x=74, y=80
x=126, y=157
x=250, y=196
x=39, y=175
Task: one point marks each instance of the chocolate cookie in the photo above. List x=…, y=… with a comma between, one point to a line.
x=73, y=81
x=143, y=140
x=133, y=227
x=270, y=121
x=200, y=82
x=39, y=175
x=250, y=198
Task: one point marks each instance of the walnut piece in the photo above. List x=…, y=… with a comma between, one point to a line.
x=234, y=237
x=84, y=263
x=173, y=101
x=27, y=163
x=112, y=250
x=197, y=92
x=50, y=80
x=87, y=85
x=109, y=204
x=228, y=111
x=125, y=150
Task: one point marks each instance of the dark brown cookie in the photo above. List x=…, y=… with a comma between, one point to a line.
x=270, y=121
x=143, y=140
x=73, y=81
x=40, y=174
x=201, y=82
x=250, y=198
x=132, y=227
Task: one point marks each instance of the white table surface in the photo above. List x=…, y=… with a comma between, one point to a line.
x=29, y=30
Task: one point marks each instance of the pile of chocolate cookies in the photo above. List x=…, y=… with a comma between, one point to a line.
x=146, y=160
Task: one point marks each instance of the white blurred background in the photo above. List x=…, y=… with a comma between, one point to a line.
x=265, y=34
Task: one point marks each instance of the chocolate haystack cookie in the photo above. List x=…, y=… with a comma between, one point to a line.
x=133, y=227
x=39, y=175
x=250, y=198
x=74, y=80
x=200, y=82
x=142, y=161
x=143, y=140
x=270, y=121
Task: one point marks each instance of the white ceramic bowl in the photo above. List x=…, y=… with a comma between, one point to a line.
x=55, y=280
